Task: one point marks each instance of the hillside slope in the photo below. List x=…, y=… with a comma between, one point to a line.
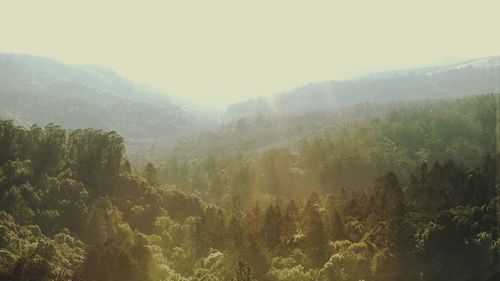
x=41, y=91
x=479, y=76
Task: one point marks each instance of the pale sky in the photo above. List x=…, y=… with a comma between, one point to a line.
x=218, y=52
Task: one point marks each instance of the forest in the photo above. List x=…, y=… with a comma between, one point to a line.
x=407, y=194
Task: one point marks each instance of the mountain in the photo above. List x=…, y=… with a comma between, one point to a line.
x=473, y=77
x=36, y=90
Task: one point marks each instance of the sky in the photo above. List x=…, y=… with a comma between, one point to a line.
x=218, y=52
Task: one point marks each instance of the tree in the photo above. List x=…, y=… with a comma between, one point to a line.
x=124, y=257
x=255, y=221
x=315, y=231
x=8, y=133
x=272, y=227
x=48, y=151
x=150, y=174
x=96, y=157
x=291, y=220
x=243, y=272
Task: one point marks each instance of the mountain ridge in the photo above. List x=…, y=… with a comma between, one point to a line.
x=43, y=90
x=470, y=77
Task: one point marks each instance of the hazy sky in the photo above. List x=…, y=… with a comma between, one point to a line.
x=224, y=51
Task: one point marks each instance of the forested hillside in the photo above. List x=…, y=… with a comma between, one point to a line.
x=42, y=91
x=405, y=194
x=37, y=90
x=445, y=81
x=412, y=127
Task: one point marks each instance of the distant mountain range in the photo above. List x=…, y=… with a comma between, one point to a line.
x=473, y=77
x=35, y=90
x=42, y=90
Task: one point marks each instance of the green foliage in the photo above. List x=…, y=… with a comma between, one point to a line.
x=124, y=255
x=150, y=174
x=27, y=253
x=95, y=157
x=408, y=196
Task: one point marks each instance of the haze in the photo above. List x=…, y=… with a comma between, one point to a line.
x=217, y=52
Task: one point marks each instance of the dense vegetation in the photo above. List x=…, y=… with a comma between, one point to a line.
x=38, y=90
x=407, y=196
